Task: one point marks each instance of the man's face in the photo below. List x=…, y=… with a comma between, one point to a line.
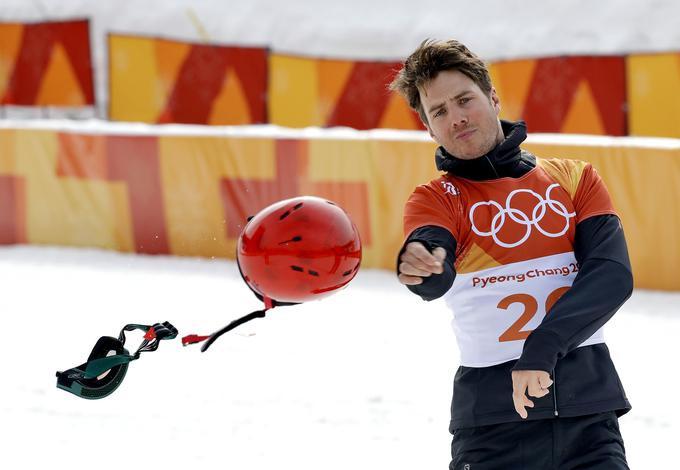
x=461, y=118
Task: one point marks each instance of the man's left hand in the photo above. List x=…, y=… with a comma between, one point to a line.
x=536, y=382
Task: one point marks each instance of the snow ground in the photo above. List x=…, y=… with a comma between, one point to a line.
x=359, y=380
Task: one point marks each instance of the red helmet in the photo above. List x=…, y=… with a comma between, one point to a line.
x=299, y=249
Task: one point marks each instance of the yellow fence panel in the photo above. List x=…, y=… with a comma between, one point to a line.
x=654, y=94
x=174, y=192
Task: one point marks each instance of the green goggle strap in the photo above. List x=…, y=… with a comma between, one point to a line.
x=83, y=380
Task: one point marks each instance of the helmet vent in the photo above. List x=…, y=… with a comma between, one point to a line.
x=287, y=213
x=296, y=238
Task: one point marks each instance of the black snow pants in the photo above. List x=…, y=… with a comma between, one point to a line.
x=591, y=442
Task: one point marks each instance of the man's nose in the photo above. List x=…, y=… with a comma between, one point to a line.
x=458, y=121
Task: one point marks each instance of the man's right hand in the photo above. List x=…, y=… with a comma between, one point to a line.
x=416, y=263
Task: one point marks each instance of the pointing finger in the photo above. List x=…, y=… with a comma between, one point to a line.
x=521, y=402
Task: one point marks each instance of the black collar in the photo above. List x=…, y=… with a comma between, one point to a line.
x=506, y=159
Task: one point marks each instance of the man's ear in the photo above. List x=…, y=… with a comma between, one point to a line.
x=495, y=101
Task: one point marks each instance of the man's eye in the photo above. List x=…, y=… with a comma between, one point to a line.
x=439, y=112
x=464, y=100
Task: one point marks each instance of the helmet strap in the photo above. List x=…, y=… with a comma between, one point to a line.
x=193, y=339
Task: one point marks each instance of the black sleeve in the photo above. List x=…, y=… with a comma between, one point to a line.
x=432, y=237
x=604, y=282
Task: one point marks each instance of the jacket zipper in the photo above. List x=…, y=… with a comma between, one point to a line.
x=492, y=167
x=554, y=377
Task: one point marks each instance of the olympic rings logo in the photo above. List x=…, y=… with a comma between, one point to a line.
x=521, y=218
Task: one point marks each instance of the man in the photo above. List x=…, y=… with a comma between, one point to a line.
x=505, y=236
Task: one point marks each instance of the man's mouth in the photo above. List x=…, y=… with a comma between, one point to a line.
x=464, y=135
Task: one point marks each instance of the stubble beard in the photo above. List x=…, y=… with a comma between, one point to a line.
x=480, y=150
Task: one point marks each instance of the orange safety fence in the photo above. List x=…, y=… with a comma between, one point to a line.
x=160, y=81
x=155, y=80
x=571, y=95
x=322, y=92
x=46, y=64
x=167, y=193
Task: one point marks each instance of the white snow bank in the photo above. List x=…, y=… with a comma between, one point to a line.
x=359, y=380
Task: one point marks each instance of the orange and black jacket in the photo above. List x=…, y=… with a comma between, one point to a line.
x=511, y=222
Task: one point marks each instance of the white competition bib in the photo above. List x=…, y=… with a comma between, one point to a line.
x=495, y=309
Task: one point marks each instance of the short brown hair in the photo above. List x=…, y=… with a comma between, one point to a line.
x=432, y=57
